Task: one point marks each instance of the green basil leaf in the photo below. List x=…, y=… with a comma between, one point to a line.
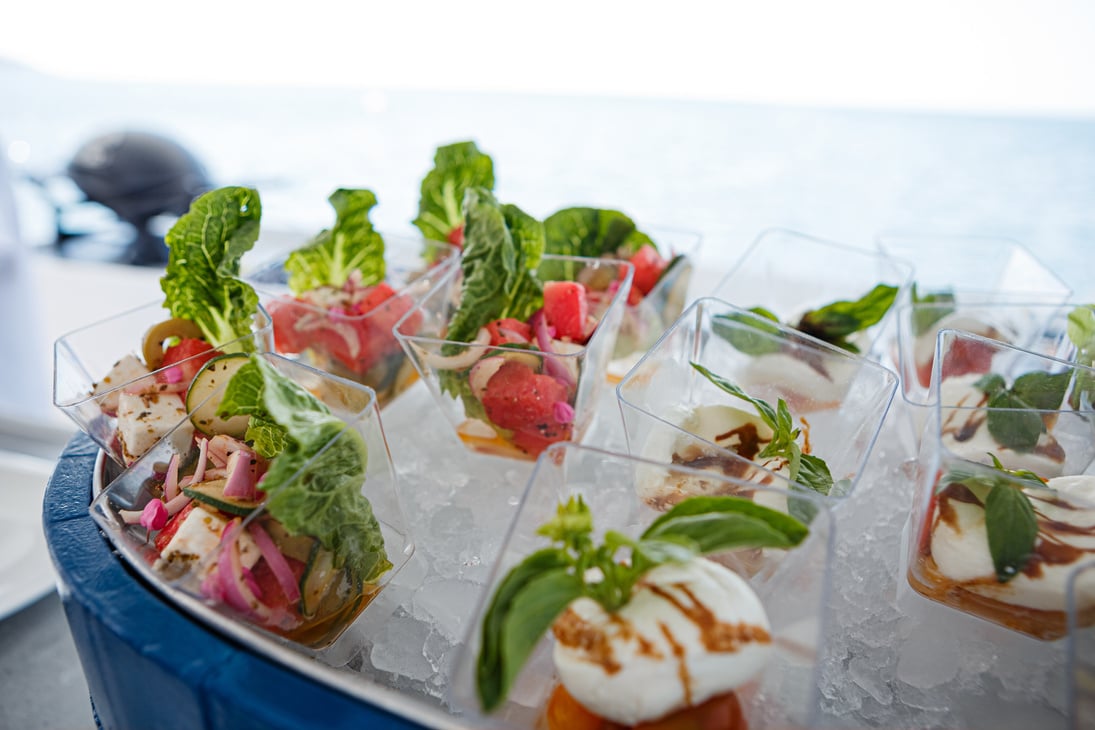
x=833, y=322
x=1012, y=530
x=764, y=410
x=1017, y=428
x=814, y=473
x=923, y=318
x=1081, y=329
x=670, y=548
x=529, y=617
x=717, y=531
x=491, y=677
x=792, y=531
x=1042, y=391
x=755, y=337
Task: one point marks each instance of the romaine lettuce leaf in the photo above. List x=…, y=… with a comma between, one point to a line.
x=318, y=496
x=206, y=245
x=503, y=248
x=335, y=253
x=456, y=168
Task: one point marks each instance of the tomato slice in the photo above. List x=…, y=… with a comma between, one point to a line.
x=189, y=355
x=649, y=266
x=566, y=308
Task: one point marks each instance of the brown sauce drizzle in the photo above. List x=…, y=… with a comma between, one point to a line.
x=749, y=440
x=572, y=631
x=682, y=665
x=716, y=635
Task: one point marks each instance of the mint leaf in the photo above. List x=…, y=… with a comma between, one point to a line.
x=201, y=280
x=1012, y=529
x=313, y=485
x=756, y=337
x=923, y=318
x=495, y=669
x=1042, y=391
x=503, y=245
x=456, y=169
x=352, y=244
x=834, y=322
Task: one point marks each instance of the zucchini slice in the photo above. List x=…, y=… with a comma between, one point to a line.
x=319, y=578
x=212, y=494
x=203, y=409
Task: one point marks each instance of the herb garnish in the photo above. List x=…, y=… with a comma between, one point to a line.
x=1010, y=522
x=351, y=244
x=457, y=168
x=806, y=469
x=201, y=280
x=924, y=317
x=1014, y=419
x=533, y=594
x=753, y=339
x=834, y=322
x=1081, y=331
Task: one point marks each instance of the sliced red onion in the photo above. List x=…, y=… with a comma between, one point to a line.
x=544, y=341
x=482, y=372
x=563, y=412
x=175, y=505
x=230, y=570
x=241, y=475
x=173, y=374
x=203, y=456
x=277, y=562
x=154, y=515
x=461, y=361
x=171, y=479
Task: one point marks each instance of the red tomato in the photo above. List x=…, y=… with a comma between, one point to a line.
x=188, y=355
x=523, y=401
x=965, y=357
x=649, y=266
x=509, y=330
x=566, y=308
x=164, y=536
x=285, y=314
x=270, y=590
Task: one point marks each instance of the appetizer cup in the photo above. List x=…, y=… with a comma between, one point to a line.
x=790, y=584
x=1081, y=650
x=674, y=413
x=228, y=559
x=359, y=347
x=1034, y=326
x=83, y=358
x=458, y=373
x=790, y=274
x=643, y=323
x=976, y=269
x=1005, y=505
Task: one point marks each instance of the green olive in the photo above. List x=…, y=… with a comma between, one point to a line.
x=158, y=333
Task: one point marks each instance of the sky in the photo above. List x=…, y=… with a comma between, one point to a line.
x=1004, y=56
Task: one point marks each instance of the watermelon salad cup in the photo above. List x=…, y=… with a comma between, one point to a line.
x=124, y=380
x=521, y=386
x=193, y=518
x=659, y=291
x=348, y=331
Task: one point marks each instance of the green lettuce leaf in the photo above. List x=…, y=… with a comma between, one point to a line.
x=312, y=490
x=456, y=169
x=206, y=244
x=589, y=232
x=352, y=244
x=503, y=246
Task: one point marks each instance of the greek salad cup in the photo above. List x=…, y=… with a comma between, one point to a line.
x=1005, y=510
x=348, y=331
x=274, y=505
x=840, y=294
x=520, y=386
x=731, y=391
x=119, y=383
x=603, y=612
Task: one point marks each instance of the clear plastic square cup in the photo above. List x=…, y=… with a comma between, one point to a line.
x=230, y=559
x=673, y=413
x=644, y=322
x=458, y=373
x=1004, y=513
x=83, y=360
x=791, y=585
x=790, y=273
x=361, y=347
